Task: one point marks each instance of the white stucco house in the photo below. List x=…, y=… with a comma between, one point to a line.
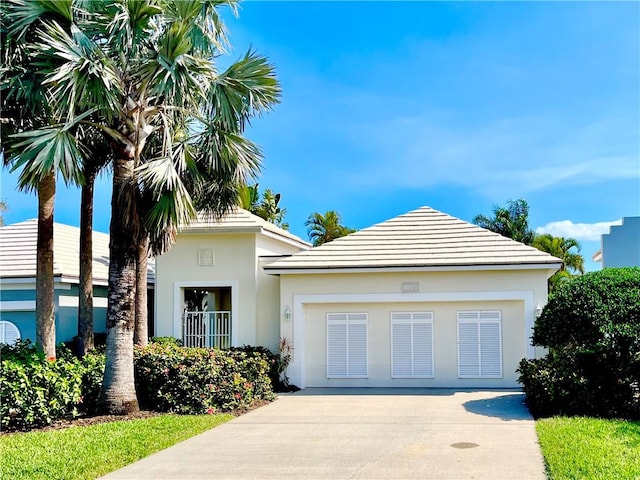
x=420, y=300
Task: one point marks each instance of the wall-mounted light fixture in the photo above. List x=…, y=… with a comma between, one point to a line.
x=287, y=313
x=538, y=311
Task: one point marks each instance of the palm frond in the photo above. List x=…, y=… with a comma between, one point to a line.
x=80, y=75
x=248, y=87
x=39, y=152
x=230, y=154
x=22, y=14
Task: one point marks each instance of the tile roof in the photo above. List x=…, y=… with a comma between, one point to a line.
x=422, y=238
x=18, y=252
x=239, y=220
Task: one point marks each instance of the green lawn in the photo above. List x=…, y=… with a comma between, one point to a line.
x=91, y=451
x=589, y=448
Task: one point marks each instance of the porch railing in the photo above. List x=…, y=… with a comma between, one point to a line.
x=206, y=329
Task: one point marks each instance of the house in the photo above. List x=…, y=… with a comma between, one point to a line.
x=423, y=299
x=211, y=287
x=18, y=280
x=621, y=246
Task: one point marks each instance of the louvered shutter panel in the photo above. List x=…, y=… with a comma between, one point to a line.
x=422, y=349
x=412, y=344
x=357, y=349
x=401, y=349
x=468, y=351
x=490, y=349
x=336, y=349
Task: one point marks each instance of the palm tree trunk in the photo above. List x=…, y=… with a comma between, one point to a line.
x=118, y=395
x=141, y=335
x=45, y=296
x=85, y=304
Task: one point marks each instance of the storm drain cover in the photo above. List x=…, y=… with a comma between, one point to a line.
x=464, y=445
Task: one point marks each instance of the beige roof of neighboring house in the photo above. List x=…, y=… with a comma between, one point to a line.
x=239, y=220
x=422, y=238
x=18, y=252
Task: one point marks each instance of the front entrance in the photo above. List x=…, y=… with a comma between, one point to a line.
x=206, y=318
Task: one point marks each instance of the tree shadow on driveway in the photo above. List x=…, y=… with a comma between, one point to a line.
x=505, y=407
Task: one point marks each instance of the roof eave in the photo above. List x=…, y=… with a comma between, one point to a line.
x=275, y=270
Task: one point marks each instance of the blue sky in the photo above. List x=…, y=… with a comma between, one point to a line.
x=460, y=106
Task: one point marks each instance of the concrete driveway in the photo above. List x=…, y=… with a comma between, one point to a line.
x=362, y=433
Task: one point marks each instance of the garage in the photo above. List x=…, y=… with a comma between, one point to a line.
x=421, y=300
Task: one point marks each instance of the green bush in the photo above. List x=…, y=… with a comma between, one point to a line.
x=591, y=327
x=278, y=362
x=197, y=380
x=35, y=391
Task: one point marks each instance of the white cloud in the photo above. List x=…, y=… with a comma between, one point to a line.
x=587, y=232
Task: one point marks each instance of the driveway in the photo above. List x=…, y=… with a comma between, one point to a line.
x=362, y=433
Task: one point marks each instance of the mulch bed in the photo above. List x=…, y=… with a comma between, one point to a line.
x=83, y=421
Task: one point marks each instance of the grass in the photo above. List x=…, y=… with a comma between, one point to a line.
x=590, y=448
x=91, y=451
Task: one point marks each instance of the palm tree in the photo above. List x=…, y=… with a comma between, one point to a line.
x=325, y=228
x=562, y=248
x=26, y=105
x=96, y=159
x=143, y=74
x=511, y=222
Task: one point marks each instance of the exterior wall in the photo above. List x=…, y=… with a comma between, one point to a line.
x=234, y=265
x=269, y=311
x=515, y=293
x=621, y=246
x=444, y=344
x=66, y=310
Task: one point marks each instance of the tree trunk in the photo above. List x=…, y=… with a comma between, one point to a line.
x=118, y=395
x=45, y=297
x=141, y=335
x=85, y=304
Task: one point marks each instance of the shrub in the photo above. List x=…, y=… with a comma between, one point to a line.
x=591, y=327
x=198, y=380
x=35, y=391
x=278, y=362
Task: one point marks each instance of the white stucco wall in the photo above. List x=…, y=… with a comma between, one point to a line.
x=234, y=265
x=310, y=297
x=237, y=263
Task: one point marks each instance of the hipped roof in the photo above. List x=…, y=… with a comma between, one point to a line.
x=420, y=239
x=18, y=243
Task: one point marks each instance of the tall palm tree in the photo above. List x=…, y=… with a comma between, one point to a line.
x=97, y=157
x=325, y=228
x=511, y=222
x=142, y=73
x=26, y=105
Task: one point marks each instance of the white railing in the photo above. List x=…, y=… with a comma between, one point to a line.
x=206, y=329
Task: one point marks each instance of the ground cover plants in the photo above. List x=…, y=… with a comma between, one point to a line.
x=91, y=451
x=590, y=448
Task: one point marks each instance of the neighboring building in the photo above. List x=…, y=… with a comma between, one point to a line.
x=211, y=289
x=621, y=246
x=423, y=299
x=18, y=280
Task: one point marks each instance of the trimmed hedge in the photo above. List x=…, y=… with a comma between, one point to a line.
x=591, y=327
x=185, y=380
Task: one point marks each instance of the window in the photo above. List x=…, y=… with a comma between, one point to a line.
x=479, y=344
x=347, y=345
x=411, y=345
x=9, y=333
